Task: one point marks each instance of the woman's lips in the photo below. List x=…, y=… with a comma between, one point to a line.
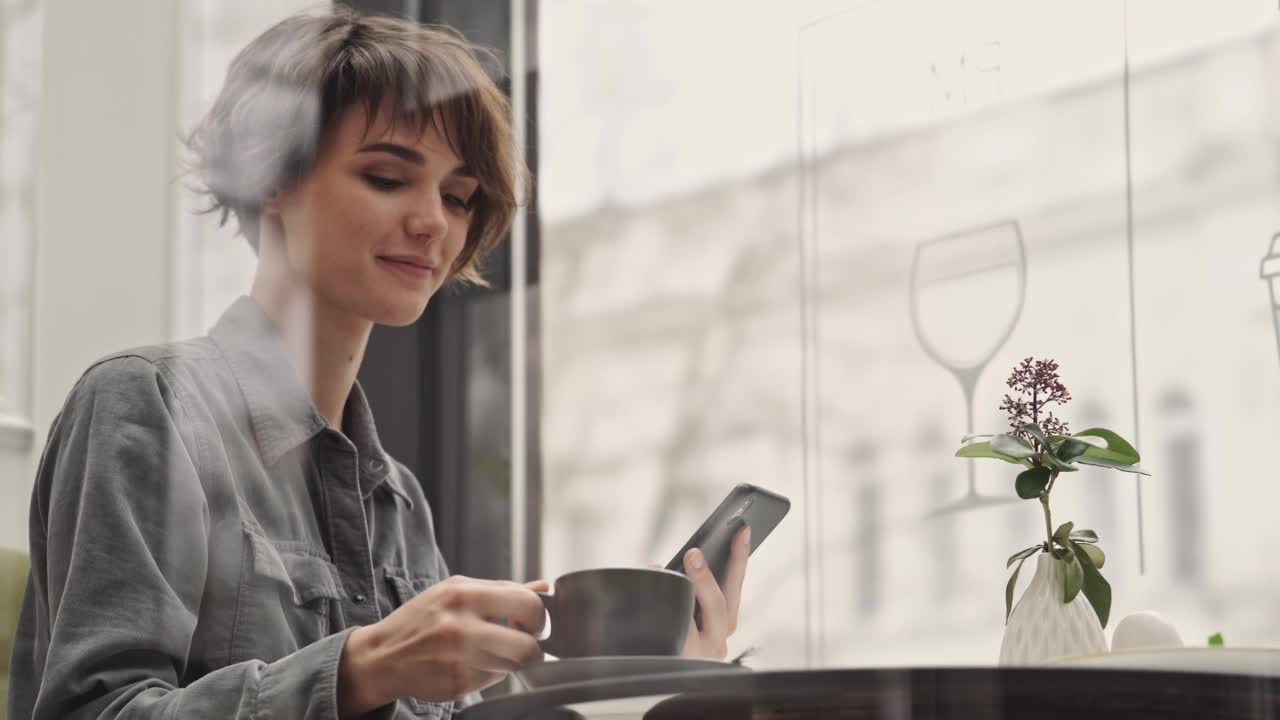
x=411, y=268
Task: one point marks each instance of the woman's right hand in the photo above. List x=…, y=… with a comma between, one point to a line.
x=441, y=645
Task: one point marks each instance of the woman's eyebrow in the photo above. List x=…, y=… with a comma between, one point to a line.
x=404, y=153
x=408, y=154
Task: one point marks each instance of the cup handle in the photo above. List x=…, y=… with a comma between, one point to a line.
x=549, y=644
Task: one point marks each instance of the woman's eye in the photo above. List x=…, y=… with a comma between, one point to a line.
x=383, y=183
x=458, y=203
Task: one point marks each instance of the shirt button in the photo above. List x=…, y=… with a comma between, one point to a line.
x=358, y=598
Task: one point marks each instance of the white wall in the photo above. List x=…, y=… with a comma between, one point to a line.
x=104, y=238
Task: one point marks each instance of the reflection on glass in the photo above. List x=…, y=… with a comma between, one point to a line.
x=1271, y=273
x=932, y=443
x=967, y=293
x=1182, y=473
x=868, y=544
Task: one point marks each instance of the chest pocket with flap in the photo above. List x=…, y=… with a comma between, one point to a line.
x=290, y=597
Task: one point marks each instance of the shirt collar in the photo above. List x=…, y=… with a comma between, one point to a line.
x=280, y=410
x=357, y=419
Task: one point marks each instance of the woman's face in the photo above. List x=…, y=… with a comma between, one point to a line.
x=375, y=227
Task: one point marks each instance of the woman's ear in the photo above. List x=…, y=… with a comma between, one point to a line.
x=274, y=202
x=271, y=205
x=270, y=221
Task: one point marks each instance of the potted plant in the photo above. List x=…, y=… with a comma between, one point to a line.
x=1068, y=602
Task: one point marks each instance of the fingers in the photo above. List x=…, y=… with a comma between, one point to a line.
x=714, y=615
x=483, y=680
x=538, y=585
x=735, y=574
x=490, y=599
x=488, y=647
x=445, y=642
x=692, y=642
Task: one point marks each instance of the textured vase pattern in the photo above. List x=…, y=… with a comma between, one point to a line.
x=1041, y=627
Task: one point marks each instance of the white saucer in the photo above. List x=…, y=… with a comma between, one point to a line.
x=1256, y=661
x=577, y=670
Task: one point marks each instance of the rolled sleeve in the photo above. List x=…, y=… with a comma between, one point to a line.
x=305, y=684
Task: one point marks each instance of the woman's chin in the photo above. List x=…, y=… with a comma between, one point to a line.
x=400, y=314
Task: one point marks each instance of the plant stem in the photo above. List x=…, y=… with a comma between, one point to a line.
x=1035, y=414
x=1048, y=516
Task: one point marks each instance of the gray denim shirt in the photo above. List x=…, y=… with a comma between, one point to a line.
x=202, y=541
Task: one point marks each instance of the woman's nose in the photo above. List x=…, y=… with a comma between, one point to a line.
x=428, y=219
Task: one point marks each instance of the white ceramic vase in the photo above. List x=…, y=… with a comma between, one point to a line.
x=1042, y=627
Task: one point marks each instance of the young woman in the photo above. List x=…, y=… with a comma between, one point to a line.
x=215, y=530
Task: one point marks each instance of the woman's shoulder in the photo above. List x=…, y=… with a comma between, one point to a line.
x=135, y=374
x=161, y=356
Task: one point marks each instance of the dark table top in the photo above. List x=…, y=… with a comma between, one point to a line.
x=914, y=694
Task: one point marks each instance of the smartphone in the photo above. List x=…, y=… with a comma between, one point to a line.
x=746, y=504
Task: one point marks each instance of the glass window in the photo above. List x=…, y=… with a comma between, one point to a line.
x=807, y=253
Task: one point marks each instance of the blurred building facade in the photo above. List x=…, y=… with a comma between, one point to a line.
x=679, y=360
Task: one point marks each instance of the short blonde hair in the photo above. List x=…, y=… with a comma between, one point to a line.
x=288, y=88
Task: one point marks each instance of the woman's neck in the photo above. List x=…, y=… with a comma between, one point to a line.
x=325, y=345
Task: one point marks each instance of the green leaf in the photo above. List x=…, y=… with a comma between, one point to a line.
x=1038, y=434
x=1049, y=460
x=1084, y=536
x=1096, y=588
x=1070, y=449
x=1012, y=446
x=1074, y=578
x=1097, y=558
x=1063, y=531
x=1094, y=451
x=1098, y=592
x=1022, y=555
x=1115, y=443
x=1008, y=590
x=1215, y=640
x=983, y=450
x=1089, y=458
x=1056, y=440
x=1031, y=483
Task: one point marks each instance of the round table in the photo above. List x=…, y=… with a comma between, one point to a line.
x=912, y=694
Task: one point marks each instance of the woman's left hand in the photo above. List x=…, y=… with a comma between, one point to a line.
x=719, y=606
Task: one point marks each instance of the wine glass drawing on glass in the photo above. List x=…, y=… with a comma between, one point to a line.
x=1271, y=273
x=966, y=295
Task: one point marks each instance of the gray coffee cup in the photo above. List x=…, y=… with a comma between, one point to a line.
x=608, y=612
